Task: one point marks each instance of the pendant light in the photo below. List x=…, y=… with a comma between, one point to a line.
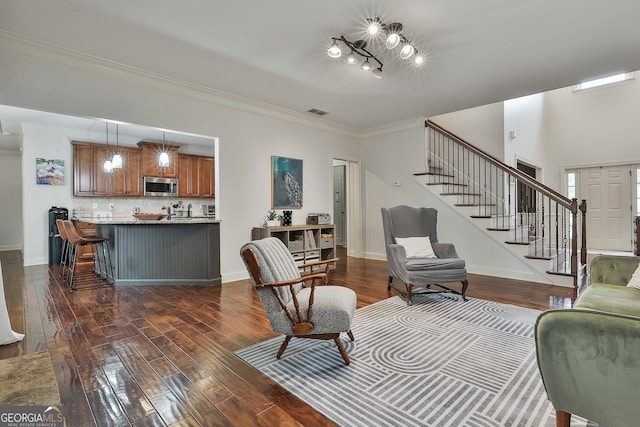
x=163, y=158
x=116, y=161
x=107, y=166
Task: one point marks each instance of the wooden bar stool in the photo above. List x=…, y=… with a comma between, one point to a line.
x=102, y=274
x=62, y=232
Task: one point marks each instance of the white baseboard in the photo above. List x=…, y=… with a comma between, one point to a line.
x=234, y=277
x=375, y=255
x=482, y=270
x=35, y=261
x=14, y=247
x=506, y=274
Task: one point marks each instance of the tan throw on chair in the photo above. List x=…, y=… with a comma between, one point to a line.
x=298, y=306
x=429, y=263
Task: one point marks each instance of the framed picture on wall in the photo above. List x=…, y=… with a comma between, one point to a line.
x=286, y=183
x=49, y=172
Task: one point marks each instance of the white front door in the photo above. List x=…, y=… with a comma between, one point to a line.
x=607, y=190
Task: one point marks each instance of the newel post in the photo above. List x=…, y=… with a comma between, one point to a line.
x=583, y=252
x=574, y=244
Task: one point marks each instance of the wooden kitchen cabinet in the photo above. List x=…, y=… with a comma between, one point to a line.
x=207, y=177
x=127, y=181
x=150, y=153
x=196, y=175
x=188, y=175
x=89, y=178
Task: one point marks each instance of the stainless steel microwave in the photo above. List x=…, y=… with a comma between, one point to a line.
x=160, y=187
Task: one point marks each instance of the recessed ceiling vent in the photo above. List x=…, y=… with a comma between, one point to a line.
x=317, y=112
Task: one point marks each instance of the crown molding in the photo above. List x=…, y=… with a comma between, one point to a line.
x=393, y=127
x=23, y=46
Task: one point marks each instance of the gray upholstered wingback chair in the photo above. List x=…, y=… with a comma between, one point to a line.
x=298, y=306
x=407, y=221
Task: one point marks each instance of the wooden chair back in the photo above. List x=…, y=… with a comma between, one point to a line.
x=299, y=324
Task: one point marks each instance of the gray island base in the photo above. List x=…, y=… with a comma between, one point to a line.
x=177, y=252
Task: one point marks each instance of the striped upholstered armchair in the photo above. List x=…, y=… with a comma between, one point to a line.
x=298, y=306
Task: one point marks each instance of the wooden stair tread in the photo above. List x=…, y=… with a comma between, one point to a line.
x=498, y=228
x=474, y=204
x=446, y=183
x=481, y=216
x=547, y=257
x=517, y=242
x=433, y=174
x=560, y=273
x=460, y=194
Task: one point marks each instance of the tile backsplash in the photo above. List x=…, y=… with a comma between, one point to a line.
x=123, y=207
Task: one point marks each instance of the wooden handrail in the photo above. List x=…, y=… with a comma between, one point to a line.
x=577, y=256
x=553, y=194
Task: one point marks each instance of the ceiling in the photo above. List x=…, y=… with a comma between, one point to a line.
x=478, y=52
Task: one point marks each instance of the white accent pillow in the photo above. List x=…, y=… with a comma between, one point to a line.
x=635, y=279
x=417, y=247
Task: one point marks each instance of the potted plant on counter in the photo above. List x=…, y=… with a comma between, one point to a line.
x=272, y=218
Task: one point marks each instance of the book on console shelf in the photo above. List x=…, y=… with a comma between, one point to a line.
x=309, y=241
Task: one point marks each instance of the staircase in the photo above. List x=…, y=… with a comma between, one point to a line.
x=531, y=220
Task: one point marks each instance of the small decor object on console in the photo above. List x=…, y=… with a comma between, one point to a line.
x=272, y=219
x=286, y=217
x=319, y=218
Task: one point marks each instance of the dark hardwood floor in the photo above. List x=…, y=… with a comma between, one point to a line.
x=156, y=355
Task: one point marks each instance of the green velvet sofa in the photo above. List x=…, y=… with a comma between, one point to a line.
x=589, y=355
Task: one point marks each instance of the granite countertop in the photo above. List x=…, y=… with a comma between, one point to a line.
x=131, y=220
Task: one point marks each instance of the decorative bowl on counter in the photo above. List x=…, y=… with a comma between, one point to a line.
x=146, y=216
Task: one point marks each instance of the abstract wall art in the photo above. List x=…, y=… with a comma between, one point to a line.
x=49, y=172
x=286, y=183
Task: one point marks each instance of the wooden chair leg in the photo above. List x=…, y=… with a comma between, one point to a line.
x=351, y=335
x=283, y=346
x=389, y=283
x=465, y=285
x=563, y=419
x=342, y=350
x=409, y=294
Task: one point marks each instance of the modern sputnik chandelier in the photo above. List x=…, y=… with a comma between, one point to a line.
x=393, y=40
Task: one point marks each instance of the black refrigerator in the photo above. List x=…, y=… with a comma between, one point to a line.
x=55, y=242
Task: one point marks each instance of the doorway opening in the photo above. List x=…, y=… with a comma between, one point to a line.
x=525, y=194
x=346, y=207
x=340, y=202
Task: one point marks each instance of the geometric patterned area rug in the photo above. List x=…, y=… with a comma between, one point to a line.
x=440, y=362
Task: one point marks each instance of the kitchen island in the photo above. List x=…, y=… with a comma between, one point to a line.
x=165, y=252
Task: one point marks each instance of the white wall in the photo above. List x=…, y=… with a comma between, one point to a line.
x=480, y=126
x=41, y=141
x=394, y=157
x=593, y=127
x=66, y=84
x=11, y=197
x=385, y=159
x=526, y=117
x=563, y=129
